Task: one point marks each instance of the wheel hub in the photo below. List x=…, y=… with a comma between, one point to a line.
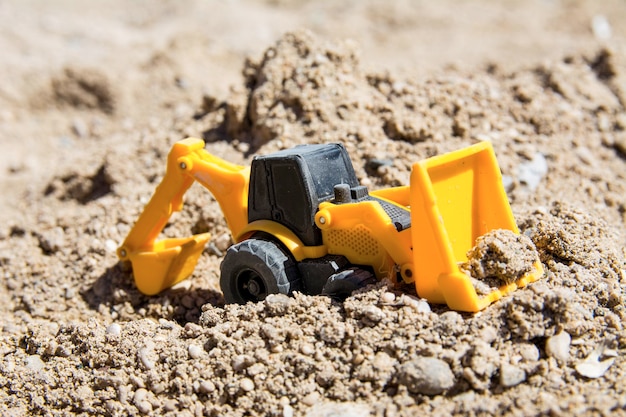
x=253, y=287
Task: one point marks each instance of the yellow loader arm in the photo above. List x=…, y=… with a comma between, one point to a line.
x=160, y=264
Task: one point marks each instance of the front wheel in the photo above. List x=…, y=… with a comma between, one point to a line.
x=255, y=268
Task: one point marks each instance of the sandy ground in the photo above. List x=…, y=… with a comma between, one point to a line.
x=93, y=96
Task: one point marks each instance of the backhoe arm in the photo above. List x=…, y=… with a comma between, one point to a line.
x=160, y=264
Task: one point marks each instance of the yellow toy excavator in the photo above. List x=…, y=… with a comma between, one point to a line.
x=301, y=222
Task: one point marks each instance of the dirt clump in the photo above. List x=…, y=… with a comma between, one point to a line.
x=499, y=257
x=303, y=81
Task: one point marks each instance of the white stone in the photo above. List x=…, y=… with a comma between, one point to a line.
x=114, y=329
x=387, y=297
x=195, y=351
x=601, y=27
x=511, y=375
x=419, y=305
x=246, y=384
x=144, y=355
x=557, y=346
x=141, y=402
x=592, y=367
x=532, y=172
x=34, y=363
x=110, y=245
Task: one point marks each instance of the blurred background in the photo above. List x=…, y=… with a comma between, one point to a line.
x=160, y=55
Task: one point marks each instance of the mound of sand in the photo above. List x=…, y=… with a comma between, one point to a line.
x=78, y=338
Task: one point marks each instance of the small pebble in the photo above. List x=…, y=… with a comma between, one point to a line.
x=69, y=293
x=419, y=305
x=140, y=401
x=50, y=349
x=166, y=324
x=288, y=411
x=311, y=398
x=383, y=362
x=557, y=346
x=278, y=304
x=426, y=375
x=246, y=384
x=114, y=329
x=211, y=248
x=243, y=147
x=387, y=297
x=358, y=359
x=34, y=363
x=192, y=330
x=140, y=395
x=223, y=242
x=307, y=349
x=532, y=172
x=511, y=375
x=144, y=356
x=373, y=313
x=241, y=362
x=592, y=367
x=195, y=351
x=170, y=404
x=53, y=240
x=585, y=155
x=276, y=348
x=158, y=387
x=122, y=393
x=489, y=334
x=601, y=27
x=529, y=352
x=206, y=387
x=450, y=321
x=110, y=246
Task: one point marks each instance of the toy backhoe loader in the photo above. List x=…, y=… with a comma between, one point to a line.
x=301, y=222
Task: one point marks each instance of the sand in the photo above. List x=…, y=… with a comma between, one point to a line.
x=93, y=98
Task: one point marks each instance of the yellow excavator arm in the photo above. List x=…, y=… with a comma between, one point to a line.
x=159, y=264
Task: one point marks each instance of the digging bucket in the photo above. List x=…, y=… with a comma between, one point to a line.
x=166, y=263
x=456, y=198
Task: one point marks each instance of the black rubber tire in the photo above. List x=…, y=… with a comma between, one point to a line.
x=256, y=268
x=342, y=284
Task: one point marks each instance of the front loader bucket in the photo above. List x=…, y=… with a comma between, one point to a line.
x=456, y=198
x=166, y=263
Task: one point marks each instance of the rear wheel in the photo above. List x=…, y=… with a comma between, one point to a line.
x=255, y=268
